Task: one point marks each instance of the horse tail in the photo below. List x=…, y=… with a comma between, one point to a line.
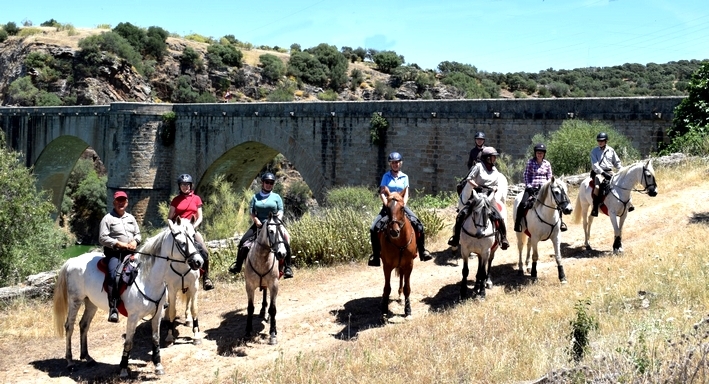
x=61, y=302
x=576, y=218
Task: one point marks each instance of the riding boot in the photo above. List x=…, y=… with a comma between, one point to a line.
x=563, y=227
x=376, y=249
x=596, y=202
x=287, y=270
x=424, y=255
x=504, y=244
x=518, y=220
x=240, y=257
x=455, y=239
x=111, y=289
x=207, y=284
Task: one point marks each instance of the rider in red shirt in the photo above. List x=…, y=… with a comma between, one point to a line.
x=188, y=205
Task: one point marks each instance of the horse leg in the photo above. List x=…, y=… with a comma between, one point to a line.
x=84, y=324
x=171, y=315
x=488, y=281
x=249, y=314
x=131, y=324
x=481, y=275
x=194, y=310
x=557, y=256
x=535, y=258
x=384, y=306
x=406, y=275
x=529, y=256
x=73, y=311
x=273, y=340
x=264, y=305
x=464, y=282
x=155, y=325
x=618, y=231
x=520, y=245
x=401, y=285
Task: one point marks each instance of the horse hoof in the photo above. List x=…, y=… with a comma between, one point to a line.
x=520, y=272
x=169, y=340
x=273, y=340
x=197, y=341
x=563, y=281
x=159, y=370
x=124, y=373
x=588, y=248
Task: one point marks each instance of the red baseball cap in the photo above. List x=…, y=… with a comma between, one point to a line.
x=119, y=194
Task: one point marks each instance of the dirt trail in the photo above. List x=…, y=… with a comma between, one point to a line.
x=318, y=309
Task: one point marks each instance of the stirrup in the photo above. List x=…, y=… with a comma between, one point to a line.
x=504, y=244
x=594, y=212
x=207, y=284
x=234, y=269
x=453, y=242
x=631, y=208
x=563, y=227
x=287, y=273
x=373, y=261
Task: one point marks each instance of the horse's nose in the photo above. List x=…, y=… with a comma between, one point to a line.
x=195, y=264
x=652, y=192
x=394, y=233
x=567, y=210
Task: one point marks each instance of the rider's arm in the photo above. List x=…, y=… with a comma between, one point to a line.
x=382, y=196
x=197, y=218
x=528, y=174
x=616, y=160
x=171, y=213
x=595, y=160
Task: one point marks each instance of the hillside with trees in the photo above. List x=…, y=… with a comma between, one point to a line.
x=58, y=64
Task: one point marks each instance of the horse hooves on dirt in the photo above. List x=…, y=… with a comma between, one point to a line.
x=159, y=370
x=197, y=341
x=588, y=247
x=272, y=340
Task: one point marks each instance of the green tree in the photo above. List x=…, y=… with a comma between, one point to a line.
x=11, y=28
x=30, y=242
x=690, y=127
x=273, y=67
x=155, y=44
x=23, y=92
x=184, y=93
x=89, y=207
x=191, y=59
x=334, y=61
x=134, y=35
x=220, y=55
x=305, y=67
x=387, y=60
x=3, y=35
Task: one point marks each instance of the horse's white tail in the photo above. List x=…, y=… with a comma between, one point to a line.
x=61, y=302
x=576, y=218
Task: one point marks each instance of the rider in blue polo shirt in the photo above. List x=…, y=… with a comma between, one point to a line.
x=396, y=181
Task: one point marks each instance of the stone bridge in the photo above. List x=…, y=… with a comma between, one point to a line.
x=328, y=142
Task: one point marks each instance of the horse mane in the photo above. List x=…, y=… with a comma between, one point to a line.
x=150, y=248
x=544, y=191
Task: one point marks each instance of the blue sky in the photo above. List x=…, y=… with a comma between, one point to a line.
x=493, y=35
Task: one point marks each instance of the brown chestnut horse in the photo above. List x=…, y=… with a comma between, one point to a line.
x=398, y=250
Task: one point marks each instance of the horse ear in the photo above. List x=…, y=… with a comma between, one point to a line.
x=193, y=220
x=178, y=220
x=385, y=191
x=403, y=191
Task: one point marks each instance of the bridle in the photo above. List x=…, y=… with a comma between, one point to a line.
x=401, y=224
x=648, y=180
x=274, y=239
x=559, y=202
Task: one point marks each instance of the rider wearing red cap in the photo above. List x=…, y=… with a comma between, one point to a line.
x=120, y=236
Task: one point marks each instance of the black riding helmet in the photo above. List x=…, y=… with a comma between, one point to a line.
x=602, y=136
x=184, y=178
x=480, y=135
x=487, y=153
x=540, y=148
x=395, y=156
x=268, y=176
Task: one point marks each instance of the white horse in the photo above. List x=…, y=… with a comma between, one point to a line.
x=262, y=271
x=80, y=281
x=542, y=222
x=484, y=247
x=185, y=284
x=618, y=199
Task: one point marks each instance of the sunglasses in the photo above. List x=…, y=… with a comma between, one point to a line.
x=268, y=182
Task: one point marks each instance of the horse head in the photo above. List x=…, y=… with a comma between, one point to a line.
x=560, y=195
x=183, y=240
x=395, y=206
x=648, y=180
x=275, y=235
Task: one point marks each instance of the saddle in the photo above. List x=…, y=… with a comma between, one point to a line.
x=129, y=271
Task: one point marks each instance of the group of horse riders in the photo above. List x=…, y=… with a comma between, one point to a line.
x=483, y=176
x=119, y=233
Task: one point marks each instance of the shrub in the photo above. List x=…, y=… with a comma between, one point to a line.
x=225, y=209
x=206, y=98
x=132, y=34
x=11, y=28
x=356, y=78
x=296, y=198
x=387, y=60
x=29, y=31
x=402, y=74
x=50, y=23
x=199, y=38
x=168, y=128
x=469, y=86
x=328, y=95
x=89, y=207
x=3, y=35
x=155, y=45
x=384, y=91
x=334, y=235
x=191, y=59
x=114, y=43
x=334, y=62
x=29, y=240
x=183, y=92
x=306, y=68
x=361, y=198
x=47, y=99
x=22, y=92
x=690, y=126
x=569, y=147
x=220, y=55
x=581, y=327
x=377, y=129
x=103, y=26
x=273, y=67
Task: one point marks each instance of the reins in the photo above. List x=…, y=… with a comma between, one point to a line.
x=557, y=208
x=646, y=174
x=402, y=225
x=271, y=246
